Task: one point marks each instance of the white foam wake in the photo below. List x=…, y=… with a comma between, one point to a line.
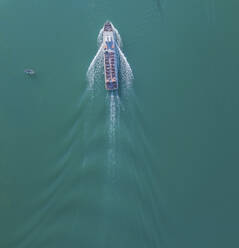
x=100, y=37
x=95, y=75
x=117, y=35
x=113, y=101
x=96, y=82
x=125, y=71
x=114, y=115
x=95, y=69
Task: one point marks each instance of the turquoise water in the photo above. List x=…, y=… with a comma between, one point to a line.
x=153, y=167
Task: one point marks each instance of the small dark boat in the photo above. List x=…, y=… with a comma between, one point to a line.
x=29, y=71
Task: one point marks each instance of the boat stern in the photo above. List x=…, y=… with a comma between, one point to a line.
x=111, y=85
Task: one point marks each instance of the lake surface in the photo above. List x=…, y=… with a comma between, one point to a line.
x=155, y=166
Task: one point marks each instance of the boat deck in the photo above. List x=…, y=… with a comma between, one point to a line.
x=110, y=60
x=110, y=71
x=108, y=27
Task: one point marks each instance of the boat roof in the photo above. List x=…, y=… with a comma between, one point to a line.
x=29, y=71
x=108, y=27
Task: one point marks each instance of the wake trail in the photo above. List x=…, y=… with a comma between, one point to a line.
x=114, y=116
x=113, y=125
x=125, y=71
x=95, y=76
x=95, y=69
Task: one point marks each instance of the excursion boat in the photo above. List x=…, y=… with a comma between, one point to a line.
x=110, y=58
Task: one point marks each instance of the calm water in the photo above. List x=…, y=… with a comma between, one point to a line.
x=156, y=166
